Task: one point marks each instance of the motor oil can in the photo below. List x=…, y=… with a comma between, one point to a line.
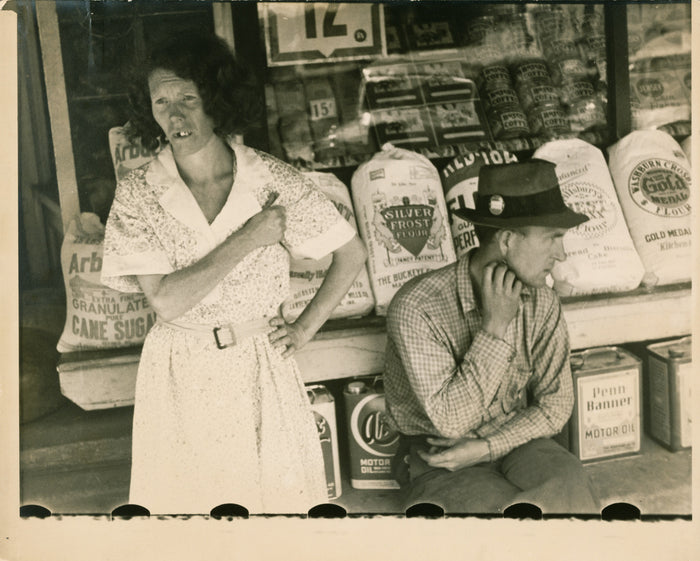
x=606, y=420
x=323, y=406
x=669, y=375
x=372, y=442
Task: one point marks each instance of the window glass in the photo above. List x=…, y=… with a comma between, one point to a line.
x=660, y=69
x=438, y=79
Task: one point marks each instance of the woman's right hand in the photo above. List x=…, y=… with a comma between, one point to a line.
x=267, y=226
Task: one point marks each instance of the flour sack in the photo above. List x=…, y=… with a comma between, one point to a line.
x=306, y=275
x=652, y=178
x=600, y=254
x=402, y=217
x=460, y=179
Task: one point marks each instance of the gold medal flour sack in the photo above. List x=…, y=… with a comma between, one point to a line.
x=306, y=275
x=652, y=178
x=600, y=254
x=97, y=317
x=402, y=217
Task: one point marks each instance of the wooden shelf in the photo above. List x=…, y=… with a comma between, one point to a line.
x=355, y=347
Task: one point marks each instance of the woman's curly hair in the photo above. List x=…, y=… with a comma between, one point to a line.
x=228, y=90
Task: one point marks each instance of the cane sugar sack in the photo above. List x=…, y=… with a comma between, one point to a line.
x=97, y=317
x=306, y=275
x=652, y=178
x=600, y=254
x=402, y=217
x=460, y=179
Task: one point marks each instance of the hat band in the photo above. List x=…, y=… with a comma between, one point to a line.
x=506, y=206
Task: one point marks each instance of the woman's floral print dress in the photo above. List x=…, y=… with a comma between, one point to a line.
x=214, y=426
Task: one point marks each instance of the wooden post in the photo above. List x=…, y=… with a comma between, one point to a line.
x=47, y=21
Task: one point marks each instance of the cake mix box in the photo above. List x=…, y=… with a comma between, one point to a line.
x=403, y=219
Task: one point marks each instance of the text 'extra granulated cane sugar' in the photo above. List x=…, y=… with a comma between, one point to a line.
x=652, y=179
x=402, y=218
x=323, y=407
x=670, y=378
x=372, y=442
x=600, y=254
x=606, y=418
x=307, y=275
x=460, y=179
x=97, y=316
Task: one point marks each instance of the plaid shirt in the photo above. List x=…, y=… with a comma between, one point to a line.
x=445, y=376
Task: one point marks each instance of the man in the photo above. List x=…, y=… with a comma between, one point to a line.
x=477, y=375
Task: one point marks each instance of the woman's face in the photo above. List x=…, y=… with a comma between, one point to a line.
x=178, y=109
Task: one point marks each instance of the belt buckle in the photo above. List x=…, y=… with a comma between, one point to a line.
x=221, y=345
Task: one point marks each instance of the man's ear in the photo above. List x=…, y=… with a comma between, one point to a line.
x=505, y=240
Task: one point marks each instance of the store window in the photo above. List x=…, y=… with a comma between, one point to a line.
x=343, y=79
x=660, y=69
x=100, y=41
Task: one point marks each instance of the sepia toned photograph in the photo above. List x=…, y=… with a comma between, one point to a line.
x=363, y=260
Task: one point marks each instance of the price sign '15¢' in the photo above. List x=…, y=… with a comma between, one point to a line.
x=322, y=32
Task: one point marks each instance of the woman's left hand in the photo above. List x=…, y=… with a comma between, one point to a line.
x=287, y=337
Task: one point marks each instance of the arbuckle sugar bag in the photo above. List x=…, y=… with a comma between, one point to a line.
x=652, y=178
x=402, y=217
x=97, y=317
x=126, y=155
x=460, y=179
x=600, y=255
x=306, y=275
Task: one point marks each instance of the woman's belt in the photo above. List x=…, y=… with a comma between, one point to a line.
x=226, y=335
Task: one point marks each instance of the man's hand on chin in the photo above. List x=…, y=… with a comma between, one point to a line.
x=455, y=453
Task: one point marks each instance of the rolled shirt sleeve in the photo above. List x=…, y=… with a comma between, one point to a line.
x=131, y=246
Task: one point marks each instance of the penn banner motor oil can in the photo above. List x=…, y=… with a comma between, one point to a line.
x=323, y=406
x=606, y=420
x=669, y=375
x=372, y=443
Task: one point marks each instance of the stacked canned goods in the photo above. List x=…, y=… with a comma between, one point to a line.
x=503, y=110
x=540, y=99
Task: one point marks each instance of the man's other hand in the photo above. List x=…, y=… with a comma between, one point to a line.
x=455, y=453
x=500, y=292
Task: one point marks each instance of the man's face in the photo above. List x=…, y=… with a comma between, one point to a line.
x=533, y=253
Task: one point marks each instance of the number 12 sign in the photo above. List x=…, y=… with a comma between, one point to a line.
x=322, y=32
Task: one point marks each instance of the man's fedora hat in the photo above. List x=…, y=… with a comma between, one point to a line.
x=522, y=194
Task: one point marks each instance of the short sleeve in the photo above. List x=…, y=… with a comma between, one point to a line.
x=131, y=246
x=315, y=228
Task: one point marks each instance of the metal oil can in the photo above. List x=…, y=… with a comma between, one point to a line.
x=323, y=407
x=372, y=443
x=606, y=420
x=669, y=375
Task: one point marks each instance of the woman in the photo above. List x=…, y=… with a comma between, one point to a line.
x=205, y=230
